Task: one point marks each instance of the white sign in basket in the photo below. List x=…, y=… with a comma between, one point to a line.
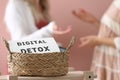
x=43, y=45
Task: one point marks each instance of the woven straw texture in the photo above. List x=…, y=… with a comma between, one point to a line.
x=47, y=64
x=51, y=64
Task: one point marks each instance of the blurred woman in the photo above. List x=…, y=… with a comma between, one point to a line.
x=27, y=19
x=106, y=59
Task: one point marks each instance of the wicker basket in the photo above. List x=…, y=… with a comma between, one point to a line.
x=51, y=64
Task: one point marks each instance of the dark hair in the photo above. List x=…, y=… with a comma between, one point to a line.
x=45, y=8
x=44, y=5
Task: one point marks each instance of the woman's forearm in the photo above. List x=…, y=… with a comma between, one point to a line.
x=106, y=41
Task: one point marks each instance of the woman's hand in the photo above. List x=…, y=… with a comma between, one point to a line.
x=58, y=31
x=86, y=17
x=89, y=41
x=95, y=41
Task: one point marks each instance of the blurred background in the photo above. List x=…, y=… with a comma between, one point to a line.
x=61, y=12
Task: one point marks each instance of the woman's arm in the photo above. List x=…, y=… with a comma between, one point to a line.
x=86, y=17
x=96, y=41
x=106, y=41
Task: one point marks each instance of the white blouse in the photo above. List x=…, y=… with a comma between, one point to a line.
x=21, y=24
x=113, y=25
x=117, y=40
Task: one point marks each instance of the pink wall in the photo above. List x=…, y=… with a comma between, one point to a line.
x=3, y=33
x=61, y=13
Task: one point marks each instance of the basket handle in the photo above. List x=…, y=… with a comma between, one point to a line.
x=70, y=44
x=68, y=48
x=7, y=46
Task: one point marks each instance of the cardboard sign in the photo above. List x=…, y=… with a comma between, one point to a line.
x=44, y=45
